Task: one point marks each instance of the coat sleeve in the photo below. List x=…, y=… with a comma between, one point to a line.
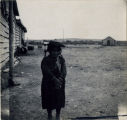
x=63, y=68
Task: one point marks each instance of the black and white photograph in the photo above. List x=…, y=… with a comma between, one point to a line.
x=63, y=59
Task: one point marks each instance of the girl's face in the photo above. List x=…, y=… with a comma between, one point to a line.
x=54, y=54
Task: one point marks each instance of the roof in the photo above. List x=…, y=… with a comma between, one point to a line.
x=108, y=38
x=15, y=8
x=19, y=23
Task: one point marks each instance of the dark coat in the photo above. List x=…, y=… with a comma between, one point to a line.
x=53, y=98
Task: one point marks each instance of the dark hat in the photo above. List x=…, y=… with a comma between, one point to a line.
x=54, y=45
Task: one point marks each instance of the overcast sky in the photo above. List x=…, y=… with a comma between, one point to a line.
x=93, y=19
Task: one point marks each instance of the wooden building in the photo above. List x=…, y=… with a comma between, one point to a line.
x=18, y=32
x=18, y=27
x=109, y=41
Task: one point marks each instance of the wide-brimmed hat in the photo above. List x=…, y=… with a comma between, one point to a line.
x=54, y=45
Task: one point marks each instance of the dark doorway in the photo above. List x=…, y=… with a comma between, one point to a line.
x=108, y=43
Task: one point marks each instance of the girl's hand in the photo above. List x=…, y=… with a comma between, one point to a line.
x=58, y=83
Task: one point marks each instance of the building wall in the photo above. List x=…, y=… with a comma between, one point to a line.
x=23, y=35
x=4, y=47
x=111, y=42
x=14, y=40
x=17, y=36
x=4, y=40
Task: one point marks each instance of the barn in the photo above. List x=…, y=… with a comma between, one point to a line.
x=109, y=41
x=19, y=31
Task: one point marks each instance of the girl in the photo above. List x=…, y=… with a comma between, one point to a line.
x=53, y=83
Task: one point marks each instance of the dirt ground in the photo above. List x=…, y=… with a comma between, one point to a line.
x=96, y=85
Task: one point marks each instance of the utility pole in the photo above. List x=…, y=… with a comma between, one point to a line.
x=11, y=36
x=126, y=19
x=63, y=34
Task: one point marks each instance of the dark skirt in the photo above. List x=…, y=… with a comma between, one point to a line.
x=52, y=98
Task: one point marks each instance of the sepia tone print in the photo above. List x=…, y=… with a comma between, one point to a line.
x=63, y=59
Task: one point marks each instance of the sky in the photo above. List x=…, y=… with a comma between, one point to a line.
x=88, y=19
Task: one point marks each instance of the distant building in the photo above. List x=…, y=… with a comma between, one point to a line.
x=109, y=41
x=122, y=43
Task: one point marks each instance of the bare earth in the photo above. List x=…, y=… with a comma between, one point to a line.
x=96, y=85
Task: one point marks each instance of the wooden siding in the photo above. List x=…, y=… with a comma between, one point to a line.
x=4, y=41
x=4, y=38
x=14, y=41
x=17, y=36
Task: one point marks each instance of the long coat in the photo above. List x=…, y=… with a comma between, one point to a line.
x=53, y=98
